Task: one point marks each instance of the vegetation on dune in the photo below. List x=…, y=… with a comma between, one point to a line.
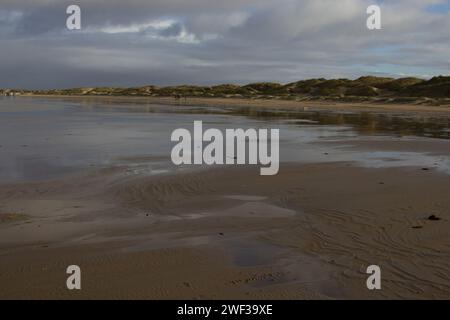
x=372, y=81
x=361, y=89
x=224, y=90
x=265, y=88
x=437, y=87
x=396, y=85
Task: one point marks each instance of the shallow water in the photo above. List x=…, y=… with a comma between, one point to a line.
x=44, y=139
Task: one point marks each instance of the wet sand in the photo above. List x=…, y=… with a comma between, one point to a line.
x=353, y=190
x=309, y=232
x=323, y=105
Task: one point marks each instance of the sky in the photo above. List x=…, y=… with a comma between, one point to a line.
x=206, y=42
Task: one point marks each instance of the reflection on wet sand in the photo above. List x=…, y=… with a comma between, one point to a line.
x=42, y=139
x=95, y=187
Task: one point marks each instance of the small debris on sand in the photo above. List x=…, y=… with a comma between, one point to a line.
x=434, y=218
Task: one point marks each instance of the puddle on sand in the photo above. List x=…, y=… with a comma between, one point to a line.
x=245, y=198
x=247, y=253
x=289, y=266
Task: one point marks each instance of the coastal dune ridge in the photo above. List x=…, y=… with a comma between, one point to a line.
x=409, y=90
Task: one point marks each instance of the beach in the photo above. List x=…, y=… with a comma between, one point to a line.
x=261, y=103
x=358, y=185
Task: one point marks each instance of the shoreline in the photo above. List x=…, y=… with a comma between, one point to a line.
x=322, y=105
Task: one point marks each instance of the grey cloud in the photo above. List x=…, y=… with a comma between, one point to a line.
x=208, y=42
x=171, y=31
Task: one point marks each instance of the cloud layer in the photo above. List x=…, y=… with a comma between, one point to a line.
x=166, y=42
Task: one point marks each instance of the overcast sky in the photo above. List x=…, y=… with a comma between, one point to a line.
x=167, y=42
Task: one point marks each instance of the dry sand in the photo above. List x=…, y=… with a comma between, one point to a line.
x=309, y=232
